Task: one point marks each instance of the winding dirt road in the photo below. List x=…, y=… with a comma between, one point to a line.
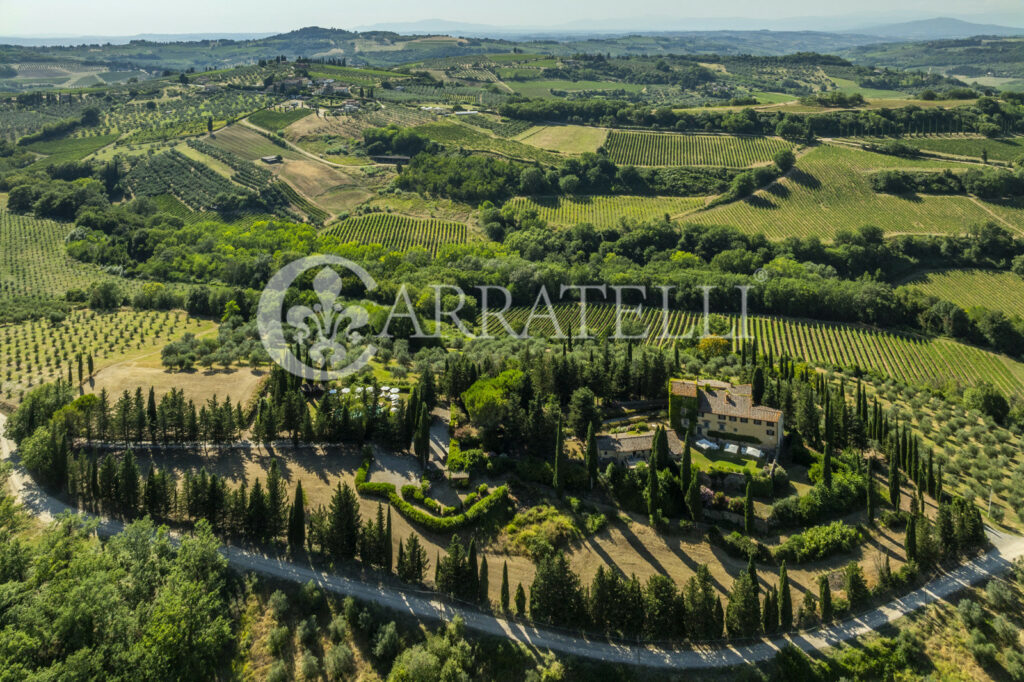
x=425, y=604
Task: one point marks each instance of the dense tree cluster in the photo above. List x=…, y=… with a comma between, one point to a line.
x=475, y=178
x=987, y=116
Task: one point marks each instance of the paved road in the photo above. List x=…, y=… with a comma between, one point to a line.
x=423, y=604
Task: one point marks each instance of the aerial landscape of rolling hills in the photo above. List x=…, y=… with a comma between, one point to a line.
x=545, y=344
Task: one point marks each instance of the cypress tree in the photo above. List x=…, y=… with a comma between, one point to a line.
x=752, y=572
x=297, y=522
x=757, y=385
x=520, y=600
x=653, y=503
x=591, y=456
x=748, y=511
x=931, y=473
x=911, y=538
x=825, y=596
x=504, y=588
x=871, y=496
x=558, y=478
x=785, y=599
x=894, y=487
x=686, y=466
x=694, y=502
x=482, y=583
x=472, y=575
x=388, y=549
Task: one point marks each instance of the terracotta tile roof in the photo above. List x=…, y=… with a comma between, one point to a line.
x=688, y=388
x=643, y=442
x=723, y=399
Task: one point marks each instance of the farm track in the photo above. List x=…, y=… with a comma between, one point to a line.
x=430, y=606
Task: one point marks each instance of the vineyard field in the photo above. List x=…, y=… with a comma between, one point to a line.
x=912, y=359
x=544, y=88
x=992, y=289
x=671, y=149
x=605, y=211
x=168, y=203
x=68, y=149
x=497, y=125
x=275, y=119
x=998, y=149
x=34, y=263
x=397, y=232
x=829, y=191
x=248, y=144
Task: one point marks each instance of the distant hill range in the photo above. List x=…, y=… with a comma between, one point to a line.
x=830, y=31
x=42, y=41
x=940, y=28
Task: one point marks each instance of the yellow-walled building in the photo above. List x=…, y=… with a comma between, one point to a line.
x=723, y=412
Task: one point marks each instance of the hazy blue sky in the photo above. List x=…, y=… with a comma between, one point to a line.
x=124, y=17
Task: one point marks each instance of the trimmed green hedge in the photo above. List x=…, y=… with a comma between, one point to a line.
x=414, y=493
x=446, y=524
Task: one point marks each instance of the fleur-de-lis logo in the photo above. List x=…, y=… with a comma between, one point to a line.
x=320, y=328
x=328, y=330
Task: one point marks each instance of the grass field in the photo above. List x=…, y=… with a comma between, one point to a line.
x=605, y=211
x=457, y=135
x=849, y=87
x=35, y=352
x=276, y=119
x=565, y=139
x=330, y=188
x=413, y=205
x=912, y=359
x=670, y=149
x=829, y=191
x=398, y=232
x=996, y=290
x=68, y=149
x=998, y=149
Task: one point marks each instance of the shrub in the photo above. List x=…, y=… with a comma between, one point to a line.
x=983, y=650
x=280, y=638
x=999, y=595
x=278, y=672
x=1004, y=631
x=818, y=542
x=311, y=597
x=278, y=604
x=337, y=628
x=387, y=644
x=339, y=662
x=970, y=612
x=308, y=631
x=310, y=667
x=739, y=545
